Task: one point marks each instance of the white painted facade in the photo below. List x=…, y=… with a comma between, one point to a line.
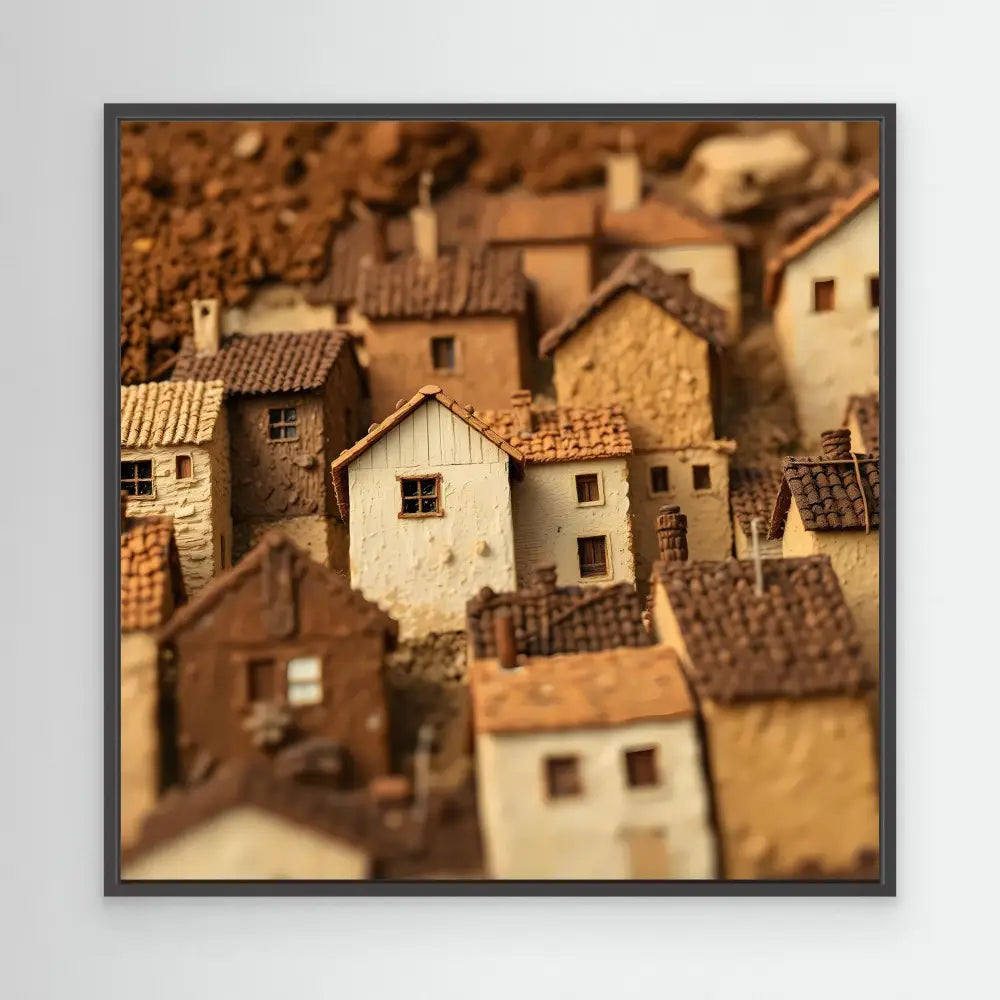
x=549, y=520
x=528, y=835
x=422, y=570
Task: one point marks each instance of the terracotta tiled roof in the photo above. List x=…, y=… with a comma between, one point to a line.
x=637, y=273
x=266, y=362
x=566, y=433
x=795, y=640
x=840, y=212
x=655, y=223
x=151, y=584
x=466, y=283
x=550, y=620
x=519, y=217
x=866, y=409
x=339, y=465
x=752, y=492
x=607, y=688
x=163, y=413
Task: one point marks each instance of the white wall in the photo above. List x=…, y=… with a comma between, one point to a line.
x=548, y=520
x=528, y=836
x=423, y=570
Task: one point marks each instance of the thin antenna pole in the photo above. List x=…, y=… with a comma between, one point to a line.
x=758, y=567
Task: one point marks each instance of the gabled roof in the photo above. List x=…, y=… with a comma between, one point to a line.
x=796, y=639
x=638, y=274
x=265, y=363
x=166, y=413
x=752, y=492
x=151, y=582
x=840, y=212
x=866, y=409
x=657, y=223
x=339, y=465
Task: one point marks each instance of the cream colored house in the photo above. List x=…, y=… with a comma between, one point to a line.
x=427, y=496
x=587, y=750
x=175, y=461
x=646, y=342
x=572, y=507
x=824, y=289
x=829, y=505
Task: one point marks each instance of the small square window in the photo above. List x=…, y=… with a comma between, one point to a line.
x=701, y=475
x=659, y=479
x=443, y=354
x=260, y=680
x=562, y=777
x=593, y=556
x=343, y=314
x=823, y=295
x=183, y=466
x=137, y=478
x=684, y=277
x=304, y=677
x=421, y=497
x=873, y=291
x=587, y=490
x=282, y=424
x=641, y=770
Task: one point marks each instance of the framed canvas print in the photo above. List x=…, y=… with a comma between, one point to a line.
x=501, y=500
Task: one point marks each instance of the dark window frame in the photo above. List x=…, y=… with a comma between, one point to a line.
x=586, y=480
x=873, y=291
x=178, y=459
x=133, y=482
x=590, y=568
x=450, y=344
x=701, y=468
x=278, y=419
x=653, y=470
x=820, y=302
x=562, y=777
x=421, y=496
x=642, y=767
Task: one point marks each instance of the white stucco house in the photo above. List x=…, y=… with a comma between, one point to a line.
x=571, y=510
x=427, y=498
x=824, y=290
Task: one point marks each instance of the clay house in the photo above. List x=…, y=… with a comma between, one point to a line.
x=785, y=698
x=824, y=290
x=861, y=418
x=151, y=589
x=572, y=507
x=427, y=496
x=276, y=651
x=175, y=462
x=294, y=401
x=829, y=505
x=752, y=492
x=587, y=750
x=645, y=341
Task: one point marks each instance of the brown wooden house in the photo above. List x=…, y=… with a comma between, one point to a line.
x=275, y=650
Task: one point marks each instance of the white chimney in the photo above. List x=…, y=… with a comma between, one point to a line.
x=205, y=315
x=623, y=176
x=423, y=218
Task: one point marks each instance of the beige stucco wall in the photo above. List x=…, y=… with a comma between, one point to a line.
x=715, y=272
x=199, y=504
x=830, y=355
x=548, y=520
x=324, y=538
x=795, y=783
x=278, y=309
x=633, y=353
x=423, y=570
x=250, y=843
x=528, y=836
x=563, y=277
x=854, y=556
x=140, y=748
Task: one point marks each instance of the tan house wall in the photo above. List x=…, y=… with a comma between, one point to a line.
x=633, y=353
x=830, y=355
x=140, y=748
x=526, y=835
x=250, y=843
x=324, y=538
x=489, y=361
x=278, y=309
x=795, y=784
x=548, y=520
x=563, y=276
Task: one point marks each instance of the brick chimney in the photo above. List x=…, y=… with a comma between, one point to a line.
x=423, y=218
x=671, y=534
x=520, y=404
x=623, y=175
x=503, y=632
x=836, y=444
x=205, y=316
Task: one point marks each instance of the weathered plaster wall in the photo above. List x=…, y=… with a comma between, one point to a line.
x=795, y=784
x=140, y=750
x=527, y=835
x=250, y=843
x=715, y=272
x=633, y=353
x=489, y=361
x=548, y=520
x=278, y=309
x=324, y=538
x=829, y=355
x=423, y=570
x=563, y=276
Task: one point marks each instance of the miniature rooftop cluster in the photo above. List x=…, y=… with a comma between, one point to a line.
x=443, y=567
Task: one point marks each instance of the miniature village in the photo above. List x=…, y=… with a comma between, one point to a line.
x=468, y=544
